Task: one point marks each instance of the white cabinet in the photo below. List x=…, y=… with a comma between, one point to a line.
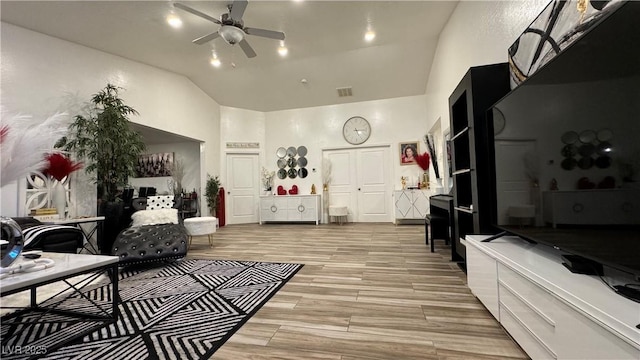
x=592, y=207
x=273, y=208
x=551, y=312
x=411, y=204
x=304, y=208
x=290, y=208
x=482, y=273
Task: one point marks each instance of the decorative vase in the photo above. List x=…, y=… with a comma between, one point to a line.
x=59, y=199
x=425, y=180
x=12, y=233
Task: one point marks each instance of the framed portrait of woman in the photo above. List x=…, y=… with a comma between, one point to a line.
x=408, y=152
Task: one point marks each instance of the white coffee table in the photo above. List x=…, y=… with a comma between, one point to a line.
x=66, y=266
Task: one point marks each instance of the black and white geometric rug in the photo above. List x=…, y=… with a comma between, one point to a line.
x=181, y=310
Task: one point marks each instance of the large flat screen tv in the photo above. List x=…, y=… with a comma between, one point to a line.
x=567, y=147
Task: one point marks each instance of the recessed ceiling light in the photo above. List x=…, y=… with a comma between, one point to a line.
x=174, y=21
x=369, y=35
x=214, y=59
x=282, y=50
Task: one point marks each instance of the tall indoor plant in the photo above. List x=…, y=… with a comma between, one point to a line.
x=105, y=139
x=211, y=193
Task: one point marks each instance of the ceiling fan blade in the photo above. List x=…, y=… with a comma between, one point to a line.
x=247, y=48
x=237, y=9
x=196, y=12
x=205, y=39
x=265, y=33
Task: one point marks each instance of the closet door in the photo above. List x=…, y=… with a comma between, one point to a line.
x=374, y=195
x=360, y=181
x=343, y=185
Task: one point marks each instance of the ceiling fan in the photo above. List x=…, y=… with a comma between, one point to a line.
x=232, y=29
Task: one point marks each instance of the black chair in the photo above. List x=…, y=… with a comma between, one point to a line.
x=51, y=238
x=127, y=195
x=436, y=227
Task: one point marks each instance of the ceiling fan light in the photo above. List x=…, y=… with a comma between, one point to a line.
x=216, y=62
x=174, y=21
x=231, y=34
x=283, y=51
x=369, y=36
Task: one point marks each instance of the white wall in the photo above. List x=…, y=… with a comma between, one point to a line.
x=41, y=74
x=240, y=126
x=392, y=121
x=478, y=33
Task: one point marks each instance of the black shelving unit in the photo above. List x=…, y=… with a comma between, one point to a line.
x=188, y=208
x=472, y=148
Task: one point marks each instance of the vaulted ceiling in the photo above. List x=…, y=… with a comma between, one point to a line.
x=324, y=38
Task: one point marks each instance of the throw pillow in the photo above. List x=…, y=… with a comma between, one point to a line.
x=154, y=217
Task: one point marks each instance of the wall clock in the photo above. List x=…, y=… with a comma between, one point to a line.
x=356, y=130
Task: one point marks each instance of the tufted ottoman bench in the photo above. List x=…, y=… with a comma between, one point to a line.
x=150, y=243
x=197, y=226
x=154, y=235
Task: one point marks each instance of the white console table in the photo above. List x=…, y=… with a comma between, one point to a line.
x=290, y=208
x=411, y=204
x=551, y=312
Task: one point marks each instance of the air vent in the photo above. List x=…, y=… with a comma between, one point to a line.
x=345, y=91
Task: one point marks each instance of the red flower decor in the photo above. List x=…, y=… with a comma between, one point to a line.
x=60, y=166
x=423, y=161
x=3, y=133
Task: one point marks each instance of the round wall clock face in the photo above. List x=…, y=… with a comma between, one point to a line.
x=356, y=130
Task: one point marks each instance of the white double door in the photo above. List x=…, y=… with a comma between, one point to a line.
x=360, y=180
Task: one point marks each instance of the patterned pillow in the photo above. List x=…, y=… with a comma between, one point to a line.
x=159, y=202
x=40, y=232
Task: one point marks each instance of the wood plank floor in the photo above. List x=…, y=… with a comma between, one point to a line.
x=367, y=291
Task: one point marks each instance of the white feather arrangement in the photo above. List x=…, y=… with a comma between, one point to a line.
x=177, y=174
x=326, y=171
x=24, y=142
x=428, y=140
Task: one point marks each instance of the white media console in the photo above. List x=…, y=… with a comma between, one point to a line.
x=551, y=312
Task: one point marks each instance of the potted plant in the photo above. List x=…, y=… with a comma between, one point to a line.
x=111, y=148
x=211, y=193
x=105, y=138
